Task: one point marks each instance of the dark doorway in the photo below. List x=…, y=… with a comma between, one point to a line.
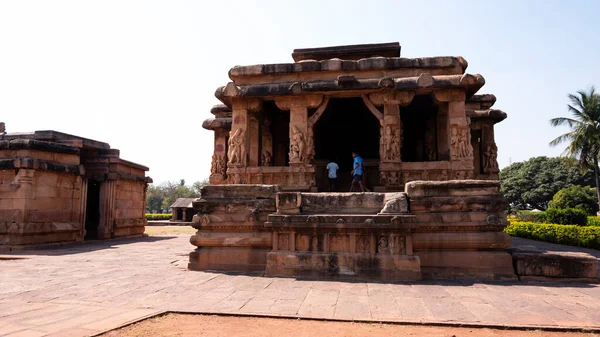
x=477, y=151
x=280, y=132
x=179, y=215
x=419, y=126
x=92, y=210
x=346, y=126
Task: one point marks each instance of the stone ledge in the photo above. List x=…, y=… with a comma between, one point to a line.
x=39, y=164
x=467, y=82
x=557, y=266
x=31, y=144
x=365, y=64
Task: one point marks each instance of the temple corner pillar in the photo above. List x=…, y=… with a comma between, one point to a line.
x=461, y=149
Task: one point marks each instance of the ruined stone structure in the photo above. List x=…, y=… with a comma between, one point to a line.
x=428, y=144
x=57, y=188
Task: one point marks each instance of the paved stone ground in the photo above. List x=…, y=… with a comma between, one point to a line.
x=85, y=289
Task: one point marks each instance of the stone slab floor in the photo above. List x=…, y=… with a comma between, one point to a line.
x=85, y=289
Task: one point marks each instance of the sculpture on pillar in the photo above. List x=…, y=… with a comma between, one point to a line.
x=266, y=158
x=391, y=144
x=214, y=164
x=459, y=143
x=490, y=158
x=236, y=147
x=310, y=146
x=297, y=146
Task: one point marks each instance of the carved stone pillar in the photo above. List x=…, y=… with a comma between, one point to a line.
x=239, y=145
x=254, y=139
x=391, y=135
x=490, y=150
x=461, y=150
x=218, y=166
x=300, y=143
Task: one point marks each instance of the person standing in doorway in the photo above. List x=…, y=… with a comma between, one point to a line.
x=332, y=169
x=357, y=172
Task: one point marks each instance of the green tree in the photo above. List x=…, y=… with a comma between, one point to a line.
x=584, y=138
x=161, y=197
x=581, y=197
x=533, y=183
x=154, y=198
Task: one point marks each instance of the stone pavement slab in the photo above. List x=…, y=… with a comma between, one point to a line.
x=86, y=289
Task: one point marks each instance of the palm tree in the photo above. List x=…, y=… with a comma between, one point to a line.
x=584, y=138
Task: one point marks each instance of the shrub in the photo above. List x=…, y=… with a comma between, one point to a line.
x=593, y=221
x=158, y=216
x=567, y=216
x=529, y=216
x=588, y=237
x=581, y=197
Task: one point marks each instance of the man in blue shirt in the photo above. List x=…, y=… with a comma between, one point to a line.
x=357, y=172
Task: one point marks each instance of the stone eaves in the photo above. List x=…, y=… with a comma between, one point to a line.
x=467, y=82
x=336, y=65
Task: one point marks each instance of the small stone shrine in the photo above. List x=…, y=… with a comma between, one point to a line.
x=427, y=140
x=57, y=188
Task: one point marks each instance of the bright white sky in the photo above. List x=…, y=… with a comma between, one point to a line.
x=141, y=75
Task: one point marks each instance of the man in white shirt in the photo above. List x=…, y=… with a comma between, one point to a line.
x=332, y=169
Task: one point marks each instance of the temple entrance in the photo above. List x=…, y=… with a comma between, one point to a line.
x=92, y=210
x=419, y=130
x=346, y=126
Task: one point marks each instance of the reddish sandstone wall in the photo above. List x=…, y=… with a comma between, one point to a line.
x=39, y=207
x=130, y=207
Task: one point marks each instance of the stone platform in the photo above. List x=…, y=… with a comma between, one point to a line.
x=434, y=230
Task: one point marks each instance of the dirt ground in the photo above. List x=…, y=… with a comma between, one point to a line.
x=212, y=325
x=169, y=230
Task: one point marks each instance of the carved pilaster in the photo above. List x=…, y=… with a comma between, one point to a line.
x=239, y=144
x=461, y=150
x=299, y=141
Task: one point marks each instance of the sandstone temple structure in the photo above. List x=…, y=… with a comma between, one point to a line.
x=57, y=188
x=427, y=139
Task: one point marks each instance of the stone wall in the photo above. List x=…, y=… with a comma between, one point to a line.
x=130, y=205
x=40, y=207
x=460, y=233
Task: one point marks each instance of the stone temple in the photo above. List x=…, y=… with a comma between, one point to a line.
x=427, y=139
x=57, y=188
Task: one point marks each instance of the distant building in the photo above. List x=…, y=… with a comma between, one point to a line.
x=56, y=188
x=183, y=210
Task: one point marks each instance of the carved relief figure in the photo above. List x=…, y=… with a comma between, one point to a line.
x=236, y=147
x=382, y=245
x=214, y=164
x=221, y=167
x=266, y=158
x=459, y=143
x=217, y=165
x=391, y=143
x=310, y=146
x=297, y=146
x=490, y=158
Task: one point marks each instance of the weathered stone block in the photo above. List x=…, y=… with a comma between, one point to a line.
x=455, y=188
x=556, y=265
x=239, y=191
